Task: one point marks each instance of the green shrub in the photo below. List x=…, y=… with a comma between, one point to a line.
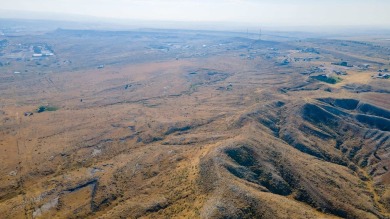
x=329, y=80
x=46, y=108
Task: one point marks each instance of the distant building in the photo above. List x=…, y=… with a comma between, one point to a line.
x=28, y=114
x=340, y=72
x=386, y=76
x=383, y=76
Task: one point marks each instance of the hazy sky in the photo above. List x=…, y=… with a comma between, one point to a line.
x=264, y=12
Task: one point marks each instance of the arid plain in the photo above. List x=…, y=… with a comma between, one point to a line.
x=192, y=124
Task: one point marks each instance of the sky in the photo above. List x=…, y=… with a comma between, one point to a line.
x=262, y=12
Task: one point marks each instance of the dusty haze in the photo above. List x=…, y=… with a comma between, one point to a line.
x=262, y=12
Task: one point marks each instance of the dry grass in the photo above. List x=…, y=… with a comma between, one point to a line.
x=173, y=145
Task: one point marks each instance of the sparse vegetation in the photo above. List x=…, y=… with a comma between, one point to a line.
x=232, y=129
x=328, y=79
x=46, y=108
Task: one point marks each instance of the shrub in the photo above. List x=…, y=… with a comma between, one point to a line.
x=46, y=108
x=329, y=80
